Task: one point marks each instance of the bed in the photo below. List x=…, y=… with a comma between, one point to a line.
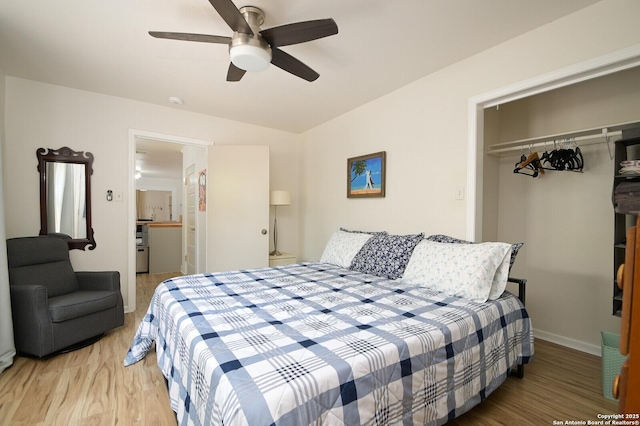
x=320, y=343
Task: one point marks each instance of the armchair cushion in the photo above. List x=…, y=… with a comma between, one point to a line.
x=79, y=303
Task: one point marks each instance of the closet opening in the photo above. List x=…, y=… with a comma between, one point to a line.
x=564, y=219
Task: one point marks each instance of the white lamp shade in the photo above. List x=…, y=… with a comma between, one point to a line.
x=280, y=198
x=249, y=57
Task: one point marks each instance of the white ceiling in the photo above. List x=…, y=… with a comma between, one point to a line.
x=158, y=160
x=103, y=46
x=382, y=45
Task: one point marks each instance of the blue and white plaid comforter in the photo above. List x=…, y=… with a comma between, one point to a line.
x=313, y=343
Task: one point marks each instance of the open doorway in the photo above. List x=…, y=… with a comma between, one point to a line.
x=157, y=165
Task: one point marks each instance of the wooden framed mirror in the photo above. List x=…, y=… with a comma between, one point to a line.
x=65, y=195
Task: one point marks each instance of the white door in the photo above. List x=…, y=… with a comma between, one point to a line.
x=237, y=207
x=190, y=222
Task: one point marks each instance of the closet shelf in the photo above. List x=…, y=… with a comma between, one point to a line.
x=590, y=136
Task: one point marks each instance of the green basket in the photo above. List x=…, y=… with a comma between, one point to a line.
x=612, y=361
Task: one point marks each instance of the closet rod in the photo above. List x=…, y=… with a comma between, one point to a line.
x=605, y=132
x=584, y=140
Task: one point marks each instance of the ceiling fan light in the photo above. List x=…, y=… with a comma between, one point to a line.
x=250, y=58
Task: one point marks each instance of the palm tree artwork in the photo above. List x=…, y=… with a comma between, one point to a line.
x=358, y=168
x=366, y=175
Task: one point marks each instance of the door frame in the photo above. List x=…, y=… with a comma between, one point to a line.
x=587, y=70
x=185, y=219
x=134, y=135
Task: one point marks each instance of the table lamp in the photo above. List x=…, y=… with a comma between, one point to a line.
x=277, y=198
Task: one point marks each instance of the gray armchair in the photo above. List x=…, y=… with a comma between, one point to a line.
x=54, y=308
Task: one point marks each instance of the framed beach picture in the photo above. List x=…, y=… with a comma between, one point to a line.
x=366, y=175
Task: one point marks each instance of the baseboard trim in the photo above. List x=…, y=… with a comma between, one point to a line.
x=568, y=342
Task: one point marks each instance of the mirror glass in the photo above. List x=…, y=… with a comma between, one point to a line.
x=65, y=201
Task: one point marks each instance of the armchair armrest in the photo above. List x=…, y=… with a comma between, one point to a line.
x=100, y=280
x=28, y=298
x=32, y=326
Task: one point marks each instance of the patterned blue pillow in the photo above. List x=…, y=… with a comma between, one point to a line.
x=385, y=255
x=362, y=232
x=439, y=238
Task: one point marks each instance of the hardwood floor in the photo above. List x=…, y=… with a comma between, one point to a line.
x=91, y=386
x=560, y=384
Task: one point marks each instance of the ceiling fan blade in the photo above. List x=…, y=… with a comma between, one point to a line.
x=231, y=15
x=292, y=65
x=234, y=73
x=191, y=37
x=299, y=32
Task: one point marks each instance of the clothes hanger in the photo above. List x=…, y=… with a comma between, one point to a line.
x=521, y=171
x=567, y=158
x=528, y=165
x=534, y=160
x=578, y=159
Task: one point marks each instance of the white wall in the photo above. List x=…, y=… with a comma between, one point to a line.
x=174, y=186
x=423, y=128
x=42, y=115
x=156, y=205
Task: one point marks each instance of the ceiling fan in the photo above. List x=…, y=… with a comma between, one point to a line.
x=252, y=49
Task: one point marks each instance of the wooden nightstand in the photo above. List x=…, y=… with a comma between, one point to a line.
x=283, y=259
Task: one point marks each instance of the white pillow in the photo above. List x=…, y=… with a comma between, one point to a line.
x=343, y=246
x=477, y=272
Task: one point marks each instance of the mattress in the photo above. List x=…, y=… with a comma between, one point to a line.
x=313, y=343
